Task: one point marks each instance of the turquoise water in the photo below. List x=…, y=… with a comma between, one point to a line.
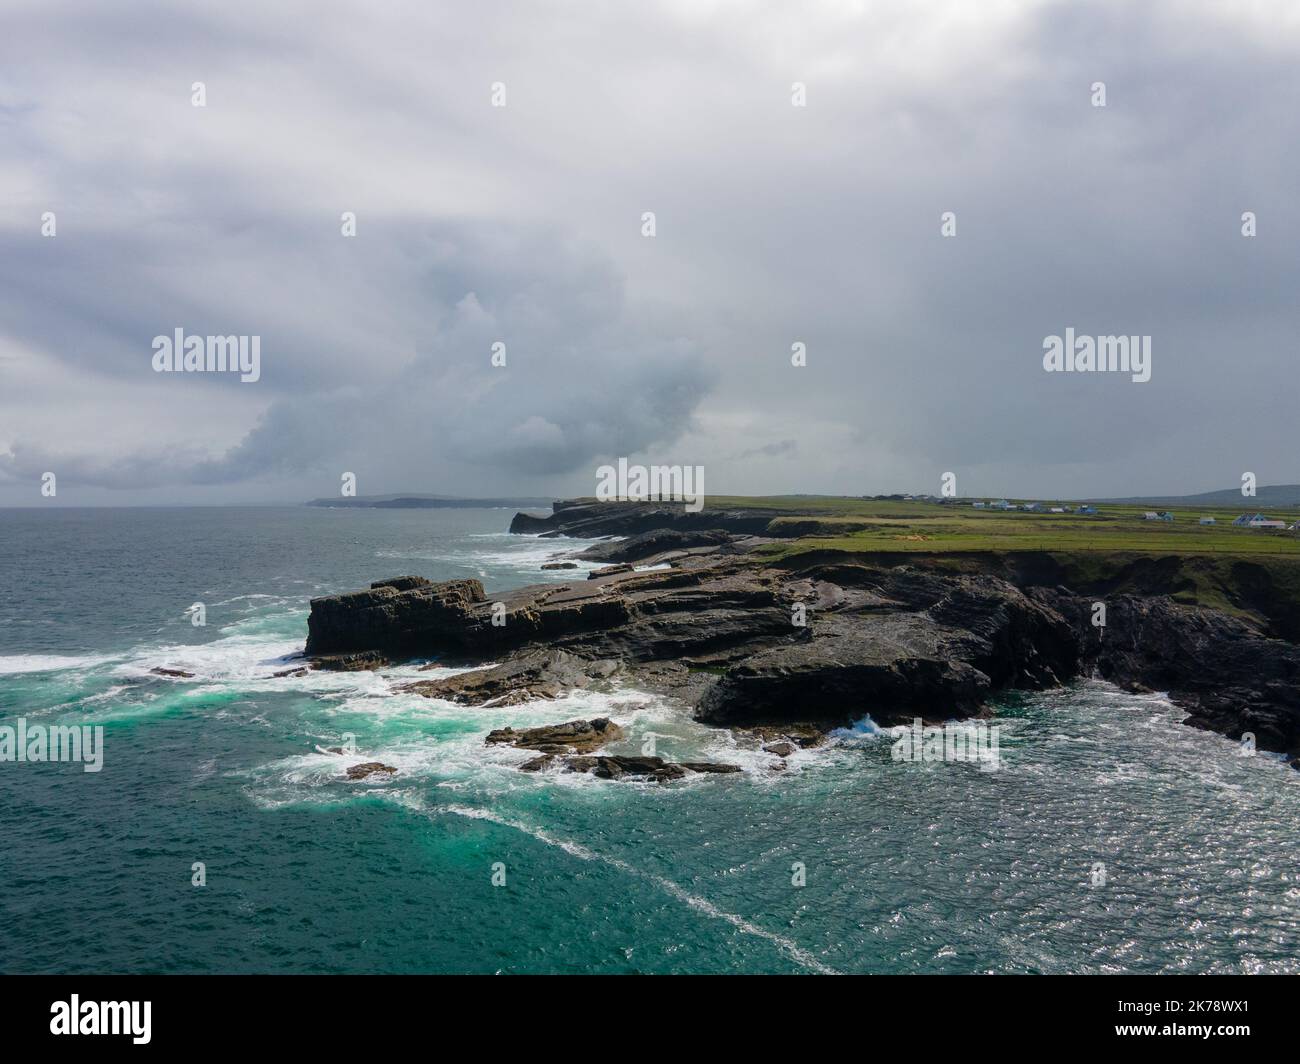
x=909, y=867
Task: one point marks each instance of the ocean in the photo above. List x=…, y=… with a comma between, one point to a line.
x=1110, y=839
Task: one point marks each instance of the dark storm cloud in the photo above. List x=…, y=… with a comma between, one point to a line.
x=521, y=224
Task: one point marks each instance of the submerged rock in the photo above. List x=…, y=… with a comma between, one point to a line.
x=179, y=674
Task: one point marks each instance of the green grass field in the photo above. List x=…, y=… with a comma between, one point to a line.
x=878, y=526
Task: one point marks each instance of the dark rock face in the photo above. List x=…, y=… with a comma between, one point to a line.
x=1231, y=678
x=362, y=661
x=657, y=541
x=395, y=616
x=533, y=674
x=559, y=565
x=719, y=630
x=177, y=674
x=609, y=570
x=918, y=645
x=586, y=518
x=655, y=769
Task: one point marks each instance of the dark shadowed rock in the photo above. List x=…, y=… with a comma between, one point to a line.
x=534, y=674
x=589, y=519
x=178, y=674
x=362, y=661
x=893, y=641
x=609, y=570
x=400, y=616
x=709, y=766
x=657, y=541
x=1229, y=676
x=559, y=565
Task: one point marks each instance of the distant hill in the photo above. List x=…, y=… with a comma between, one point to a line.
x=431, y=502
x=1272, y=495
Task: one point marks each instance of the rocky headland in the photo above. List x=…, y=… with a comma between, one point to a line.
x=791, y=648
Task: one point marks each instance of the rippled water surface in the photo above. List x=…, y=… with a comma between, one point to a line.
x=907, y=867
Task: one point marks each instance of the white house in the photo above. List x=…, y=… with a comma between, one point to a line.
x=1257, y=521
x=1207, y=521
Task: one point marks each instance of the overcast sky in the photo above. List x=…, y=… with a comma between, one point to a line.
x=775, y=224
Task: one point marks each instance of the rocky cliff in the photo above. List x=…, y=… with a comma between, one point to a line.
x=823, y=644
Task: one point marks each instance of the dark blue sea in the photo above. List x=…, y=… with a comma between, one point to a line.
x=929, y=867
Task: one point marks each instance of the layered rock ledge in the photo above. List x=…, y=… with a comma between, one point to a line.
x=804, y=644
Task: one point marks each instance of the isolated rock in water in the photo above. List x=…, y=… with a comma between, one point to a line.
x=560, y=565
x=370, y=768
x=538, y=763
x=804, y=737
x=574, y=736
x=179, y=674
x=653, y=768
x=780, y=749
x=531, y=675
x=302, y=670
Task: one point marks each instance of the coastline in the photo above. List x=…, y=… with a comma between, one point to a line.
x=694, y=605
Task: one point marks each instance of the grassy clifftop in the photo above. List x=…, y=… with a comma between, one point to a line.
x=1245, y=571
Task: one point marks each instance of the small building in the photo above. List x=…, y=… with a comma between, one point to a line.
x=1257, y=521
x=978, y=505
x=1057, y=510
x=1207, y=521
x=1033, y=507
x=1157, y=515
x=1086, y=509
x=1001, y=504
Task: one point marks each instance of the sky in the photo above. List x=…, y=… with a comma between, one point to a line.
x=781, y=216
